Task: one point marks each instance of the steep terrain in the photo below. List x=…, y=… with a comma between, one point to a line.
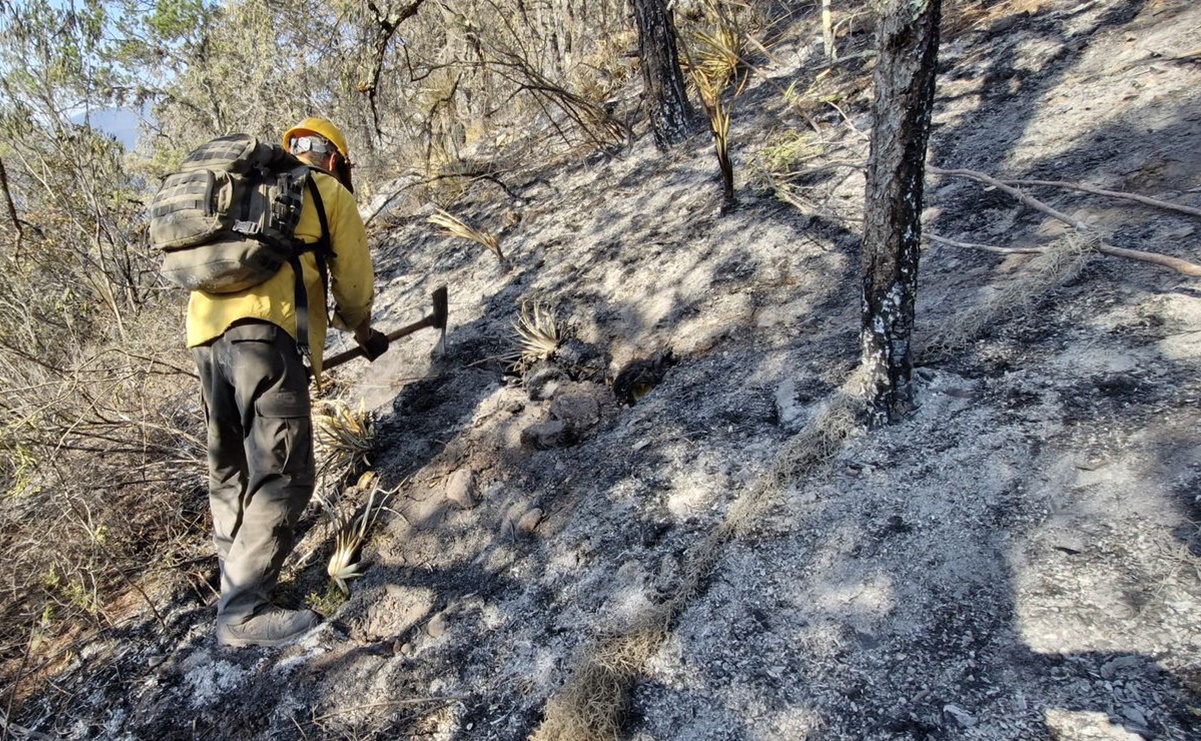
x=673, y=514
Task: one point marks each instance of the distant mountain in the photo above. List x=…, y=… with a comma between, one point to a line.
x=120, y=122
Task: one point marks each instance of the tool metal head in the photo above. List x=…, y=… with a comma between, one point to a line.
x=438, y=317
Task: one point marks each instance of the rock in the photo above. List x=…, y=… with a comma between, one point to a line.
x=461, y=489
x=1134, y=714
x=788, y=411
x=546, y=435
x=1113, y=666
x=961, y=716
x=425, y=514
x=520, y=519
x=544, y=380
x=1071, y=542
x=579, y=411
x=436, y=627
x=583, y=361
x=527, y=522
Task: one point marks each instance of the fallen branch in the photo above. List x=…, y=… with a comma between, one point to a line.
x=473, y=176
x=985, y=247
x=1146, y=201
x=1182, y=266
x=1030, y=201
x=1175, y=263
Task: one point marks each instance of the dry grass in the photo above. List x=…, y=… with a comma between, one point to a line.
x=1061, y=262
x=782, y=158
x=593, y=705
x=453, y=226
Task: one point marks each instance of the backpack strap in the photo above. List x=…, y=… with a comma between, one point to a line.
x=322, y=249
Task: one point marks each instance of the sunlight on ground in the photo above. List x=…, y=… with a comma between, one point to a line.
x=1084, y=726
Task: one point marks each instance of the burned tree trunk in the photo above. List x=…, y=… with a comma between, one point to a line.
x=907, y=40
x=667, y=101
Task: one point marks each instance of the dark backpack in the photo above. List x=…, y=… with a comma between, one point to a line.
x=226, y=220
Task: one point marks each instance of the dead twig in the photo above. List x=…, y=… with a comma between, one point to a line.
x=145, y=597
x=1030, y=201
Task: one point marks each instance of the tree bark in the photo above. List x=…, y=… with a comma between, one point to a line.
x=670, y=112
x=907, y=39
x=386, y=25
x=12, y=208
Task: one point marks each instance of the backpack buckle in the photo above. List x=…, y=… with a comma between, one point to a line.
x=249, y=228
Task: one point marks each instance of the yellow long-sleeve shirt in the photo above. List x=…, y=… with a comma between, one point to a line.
x=351, y=278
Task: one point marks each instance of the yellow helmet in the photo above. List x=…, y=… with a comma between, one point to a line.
x=321, y=127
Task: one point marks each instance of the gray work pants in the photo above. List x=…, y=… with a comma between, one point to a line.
x=260, y=450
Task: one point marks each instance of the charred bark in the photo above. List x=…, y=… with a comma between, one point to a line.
x=12, y=208
x=907, y=40
x=670, y=112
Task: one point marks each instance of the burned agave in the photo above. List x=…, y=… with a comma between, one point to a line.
x=350, y=533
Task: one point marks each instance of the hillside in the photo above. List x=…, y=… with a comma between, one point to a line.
x=672, y=529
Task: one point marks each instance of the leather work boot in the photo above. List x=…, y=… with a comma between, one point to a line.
x=267, y=626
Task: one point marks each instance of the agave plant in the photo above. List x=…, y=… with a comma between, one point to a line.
x=343, y=435
x=350, y=532
x=540, y=333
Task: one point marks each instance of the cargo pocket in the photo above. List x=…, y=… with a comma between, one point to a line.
x=283, y=435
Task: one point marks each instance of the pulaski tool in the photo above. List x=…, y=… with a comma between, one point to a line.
x=436, y=319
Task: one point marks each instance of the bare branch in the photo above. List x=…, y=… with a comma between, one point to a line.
x=1168, y=205
x=1175, y=263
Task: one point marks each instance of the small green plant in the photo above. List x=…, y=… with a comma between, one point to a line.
x=327, y=602
x=23, y=468
x=781, y=159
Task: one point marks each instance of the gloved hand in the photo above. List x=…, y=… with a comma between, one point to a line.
x=375, y=345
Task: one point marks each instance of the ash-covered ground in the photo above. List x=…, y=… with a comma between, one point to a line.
x=1017, y=560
